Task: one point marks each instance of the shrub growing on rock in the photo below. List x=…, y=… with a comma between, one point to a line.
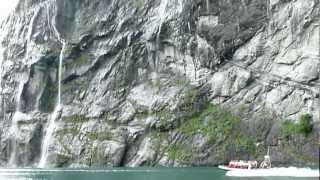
x=304, y=126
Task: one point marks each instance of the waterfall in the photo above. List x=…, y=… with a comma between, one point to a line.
x=48, y=136
x=13, y=131
x=189, y=28
x=158, y=46
x=162, y=13
x=8, y=8
x=20, y=90
x=18, y=115
x=51, y=125
x=208, y=6
x=60, y=72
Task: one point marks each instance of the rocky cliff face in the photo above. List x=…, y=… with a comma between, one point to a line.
x=168, y=82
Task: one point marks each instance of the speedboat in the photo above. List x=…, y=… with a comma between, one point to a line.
x=241, y=168
x=241, y=164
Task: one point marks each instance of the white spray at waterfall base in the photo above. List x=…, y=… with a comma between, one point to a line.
x=51, y=125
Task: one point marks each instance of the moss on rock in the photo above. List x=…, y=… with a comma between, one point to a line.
x=77, y=118
x=100, y=136
x=222, y=129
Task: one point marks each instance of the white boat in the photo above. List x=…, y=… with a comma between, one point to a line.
x=247, y=165
x=250, y=169
x=228, y=168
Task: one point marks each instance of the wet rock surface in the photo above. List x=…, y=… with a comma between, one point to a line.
x=170, y=82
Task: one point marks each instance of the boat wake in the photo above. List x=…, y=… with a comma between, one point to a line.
x=280, y=172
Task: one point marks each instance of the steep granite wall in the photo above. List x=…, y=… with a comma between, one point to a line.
x=168, y=82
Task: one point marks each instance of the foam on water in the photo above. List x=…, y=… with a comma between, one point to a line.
x=280, y=172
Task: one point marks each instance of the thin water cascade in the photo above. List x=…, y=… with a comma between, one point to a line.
x=13, y=131
x=51, y=125
x=208, y=6
x=60, y=72
x=162, y=13
x=18, y=116
x=48, y=136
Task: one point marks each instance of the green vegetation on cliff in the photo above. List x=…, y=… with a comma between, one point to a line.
x=303, y=126
x=100, y=136
x=212, y=121
x=219, y=127
x=77, y=118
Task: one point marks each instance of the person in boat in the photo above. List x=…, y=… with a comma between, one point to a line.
x=243, y=164
x=253, y=164
x=266, y=163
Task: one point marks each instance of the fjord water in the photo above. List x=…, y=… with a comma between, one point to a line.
x=207, y=173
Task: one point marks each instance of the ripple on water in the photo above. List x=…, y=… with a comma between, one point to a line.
x=126, y=174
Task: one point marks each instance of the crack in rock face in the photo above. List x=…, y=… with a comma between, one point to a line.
x=138, y=80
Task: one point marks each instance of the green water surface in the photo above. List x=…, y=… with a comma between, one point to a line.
x=206, y=173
